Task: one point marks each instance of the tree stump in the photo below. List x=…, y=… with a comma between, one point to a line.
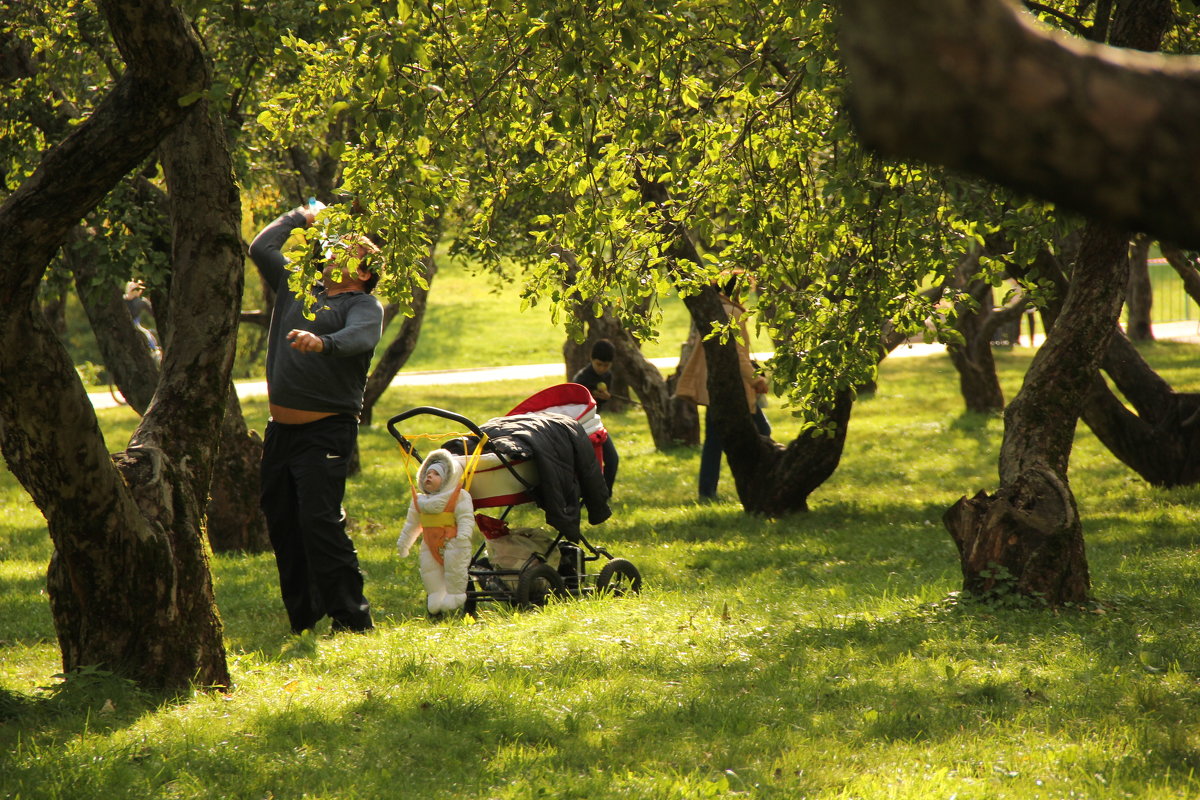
x=1026, y=540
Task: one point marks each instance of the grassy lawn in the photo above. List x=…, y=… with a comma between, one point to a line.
x=819, y=656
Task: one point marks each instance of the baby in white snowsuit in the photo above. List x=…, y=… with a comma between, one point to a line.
x=443, y=516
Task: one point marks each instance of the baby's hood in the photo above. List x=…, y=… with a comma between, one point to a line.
x=451, y=475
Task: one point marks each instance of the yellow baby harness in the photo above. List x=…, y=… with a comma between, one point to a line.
x=439, y=527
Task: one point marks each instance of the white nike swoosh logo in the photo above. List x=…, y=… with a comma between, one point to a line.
x=332, y=455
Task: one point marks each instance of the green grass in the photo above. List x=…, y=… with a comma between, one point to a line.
x=820, y=656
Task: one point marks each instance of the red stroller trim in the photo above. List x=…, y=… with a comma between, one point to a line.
x=491, y=527
x=567, y=394
x=562, y=394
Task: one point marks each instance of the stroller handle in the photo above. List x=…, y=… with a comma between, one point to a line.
x=432, y=411
x=461, y=420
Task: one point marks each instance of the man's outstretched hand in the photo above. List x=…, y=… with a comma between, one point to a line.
x=305, y=342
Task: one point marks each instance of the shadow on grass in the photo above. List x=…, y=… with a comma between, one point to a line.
x=980, y=427
x=417, y=723
x=922, y=675
x=25, y=611
x=87, y=701
x=25, y=543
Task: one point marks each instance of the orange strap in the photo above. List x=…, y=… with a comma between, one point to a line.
x=435, y=536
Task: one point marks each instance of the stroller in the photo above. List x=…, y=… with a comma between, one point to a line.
x=520, y=567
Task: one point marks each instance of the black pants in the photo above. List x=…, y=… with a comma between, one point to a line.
x=608, y=452
x=303, y=483
x=713, y=450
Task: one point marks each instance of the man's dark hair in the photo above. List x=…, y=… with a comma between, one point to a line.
x=603, y=350
x=369, y=283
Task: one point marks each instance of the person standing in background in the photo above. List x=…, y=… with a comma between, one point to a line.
x=693, y=385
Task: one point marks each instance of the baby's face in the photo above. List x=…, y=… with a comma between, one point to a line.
x=433, y=482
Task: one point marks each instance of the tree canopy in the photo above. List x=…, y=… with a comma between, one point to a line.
x=563, y=119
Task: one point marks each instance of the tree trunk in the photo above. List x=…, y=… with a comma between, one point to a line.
x=672, y=422
x=1185, y=268
x=54, y=306
x=234, y=519
x=123, y=348
x=129, y=582
x=1139, y=297
x=683, y=414
x=1027, y=538
x=401, y=348
x=972, y=84
x=1160, y=438
x=977, y=379
x=771, y=479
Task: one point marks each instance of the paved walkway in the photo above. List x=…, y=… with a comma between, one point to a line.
x=1177, y=331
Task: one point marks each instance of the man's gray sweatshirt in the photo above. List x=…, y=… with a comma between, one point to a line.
x=349, y=323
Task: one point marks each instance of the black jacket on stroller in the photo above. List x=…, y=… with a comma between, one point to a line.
x=568, y=470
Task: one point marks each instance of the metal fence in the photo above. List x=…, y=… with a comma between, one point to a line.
x=1171, y=302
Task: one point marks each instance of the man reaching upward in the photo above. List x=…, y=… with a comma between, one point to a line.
x=316, y=374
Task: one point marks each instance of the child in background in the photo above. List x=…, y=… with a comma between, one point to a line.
x=443, y=516
x=597, y=376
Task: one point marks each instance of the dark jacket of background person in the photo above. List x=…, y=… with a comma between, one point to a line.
x=587, y=376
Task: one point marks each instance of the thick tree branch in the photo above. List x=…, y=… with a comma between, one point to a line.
x=977, y=85
x=1074, y=23
x=1185, y=267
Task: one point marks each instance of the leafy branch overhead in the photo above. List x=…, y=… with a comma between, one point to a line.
x=539, y=128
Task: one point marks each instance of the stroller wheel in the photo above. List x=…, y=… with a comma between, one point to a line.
x=620, y=577
x=536, y=583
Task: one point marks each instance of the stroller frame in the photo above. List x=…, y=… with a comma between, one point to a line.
x=535, y=581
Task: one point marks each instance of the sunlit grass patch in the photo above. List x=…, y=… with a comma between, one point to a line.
x=821, y=656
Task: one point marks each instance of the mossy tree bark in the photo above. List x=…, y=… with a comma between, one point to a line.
x=129, y=581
